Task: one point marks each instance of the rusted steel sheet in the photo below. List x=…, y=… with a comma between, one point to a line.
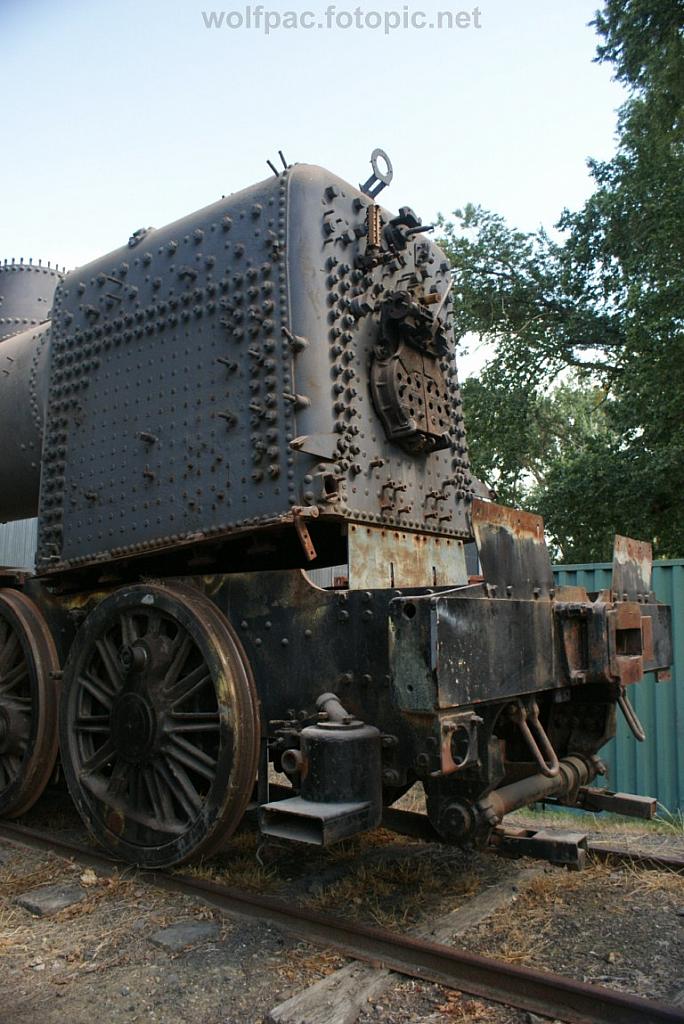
x=632, y=569
x=458, y=649
x=380, y=558
x=514, y=557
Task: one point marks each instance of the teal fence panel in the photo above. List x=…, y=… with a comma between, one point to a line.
x=655, y=767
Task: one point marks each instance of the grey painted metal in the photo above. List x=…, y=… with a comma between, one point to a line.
x=656, y=767
x=185, y=365
x=26, y=293
x=18, y=544
x=23, y=396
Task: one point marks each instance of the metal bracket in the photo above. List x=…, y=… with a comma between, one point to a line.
x=521, y=715
x=298, y=512
x=629, y=804
x=631, y=717
x=568, y=848
x=458, y=742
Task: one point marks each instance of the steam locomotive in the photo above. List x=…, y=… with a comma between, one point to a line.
x=264, y=387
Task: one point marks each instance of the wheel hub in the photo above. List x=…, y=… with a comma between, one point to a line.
x=133, y=727
x=135, y=657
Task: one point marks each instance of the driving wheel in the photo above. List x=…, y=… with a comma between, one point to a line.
x=159, y=728
x=28, y=703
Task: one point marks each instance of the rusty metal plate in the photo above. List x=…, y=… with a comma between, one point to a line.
x=632, y=565
x=381, y=558
x=626, y=642
x=456, y=649
x=512, y=550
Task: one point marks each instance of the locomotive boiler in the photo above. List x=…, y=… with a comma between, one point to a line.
x=266, y=386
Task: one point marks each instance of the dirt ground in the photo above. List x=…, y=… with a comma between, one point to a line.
x=103, y=957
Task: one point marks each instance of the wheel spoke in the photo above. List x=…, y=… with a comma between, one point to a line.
x=129, y=633
x=191, y=756
x=98, y=689
x=15, y=675
x=118, y=780
x=154, y=621
x=92, y=723
x=23, y=704
x=181, y=649
x=110, y=662
x=195, y=721
x=151, y=788
x=179, y=783
x=8, y=651
x=99, y=758
x=189, y=685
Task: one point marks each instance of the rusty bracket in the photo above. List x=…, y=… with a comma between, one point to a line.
x=629, y=804
x=631, y=717
x=458, y=746
x=568, y=848
x=525, y=715
x=299, y=512
x=626, y=642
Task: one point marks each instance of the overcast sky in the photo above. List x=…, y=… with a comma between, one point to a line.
x=129, y=114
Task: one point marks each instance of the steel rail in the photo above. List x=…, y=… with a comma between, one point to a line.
x=637, y=858
x=417, y=826
x=520, y=987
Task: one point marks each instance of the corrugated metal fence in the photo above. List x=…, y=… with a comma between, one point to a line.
x=656, y=767
x=18, y=544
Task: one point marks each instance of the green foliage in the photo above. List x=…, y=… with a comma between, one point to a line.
x=600, y=311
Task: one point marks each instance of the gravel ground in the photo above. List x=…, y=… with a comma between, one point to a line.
x=101, y=956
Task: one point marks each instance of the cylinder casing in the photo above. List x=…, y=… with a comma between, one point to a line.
x=23, y=397
x=342, y=764
x=26, y=293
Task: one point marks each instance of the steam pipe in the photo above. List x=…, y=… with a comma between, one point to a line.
x=573, y=772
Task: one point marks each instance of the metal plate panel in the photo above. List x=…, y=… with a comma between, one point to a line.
x=380, y=558
x=512, y=550
x=632, y=567
x=457, y=650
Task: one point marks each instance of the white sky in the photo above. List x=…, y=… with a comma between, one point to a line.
x=121, y=115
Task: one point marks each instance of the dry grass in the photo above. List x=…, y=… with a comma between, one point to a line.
x=524, y=937
x=536, y=817
x=13, y=881
x=292, y=963
x=240, y=872
x=525, y=941
x=73, y=936
x=462, y=1009
x=392, y=894
x=12, y=930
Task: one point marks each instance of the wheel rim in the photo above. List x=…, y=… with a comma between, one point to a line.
x=159, y=725
x=28, y=703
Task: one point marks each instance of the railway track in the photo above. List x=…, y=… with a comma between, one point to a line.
x=409, y=823
x=519, y=987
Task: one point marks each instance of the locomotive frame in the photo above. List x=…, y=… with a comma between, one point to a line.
x=263, y=387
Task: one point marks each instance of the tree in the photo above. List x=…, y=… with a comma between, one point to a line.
x=601, y=309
